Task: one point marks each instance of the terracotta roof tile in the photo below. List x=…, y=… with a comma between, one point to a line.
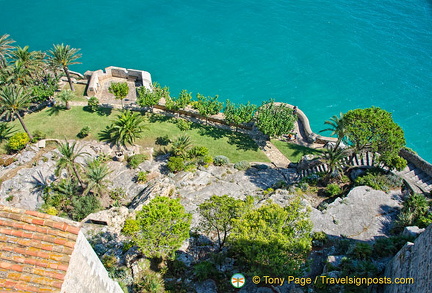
x=35, y=250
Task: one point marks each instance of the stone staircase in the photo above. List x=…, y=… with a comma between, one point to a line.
x=419, y=181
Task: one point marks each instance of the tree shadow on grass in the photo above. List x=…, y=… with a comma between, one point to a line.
x=242, y=142
x=101, y=111
x=210, y=131
x=55, y=110
x=159, y=118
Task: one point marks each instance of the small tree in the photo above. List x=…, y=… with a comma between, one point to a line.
x=175, y=104
x=151, y=97
x=160, y=227
x=66, y=96
x=374, y=129
x=272, y=240
x=62, y=56
x=239, y=114
x=275, y=120
x=219, y=213
x=208, y=106
x=120, y=90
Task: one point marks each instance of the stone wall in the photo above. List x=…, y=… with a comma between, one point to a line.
x=414, y=260
x=418, y=161
x=86, y=273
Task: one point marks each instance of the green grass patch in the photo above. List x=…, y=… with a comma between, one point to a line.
x=60, y=124
x=80, y=90
x=294, y=152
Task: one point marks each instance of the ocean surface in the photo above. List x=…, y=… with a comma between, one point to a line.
x=325, y=56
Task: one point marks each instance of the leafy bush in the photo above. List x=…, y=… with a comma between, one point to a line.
x=242, y=165
x=118, y=194
x=93, y=104
x=221, y=160
x=83, y=206
x=198, y=151
x=333, y=189
x=84, y=132
x=415, y=211
x=141, y=177
x=320, y=236
x=162, y=140
x=362, y=251
x=5, y=131
x=205, y=270
x=176, y=164
x=190, y=167
x=150, y=283
x=205, y=161
x=130, y=227
x=378, y=181
x=18, y=141
x=183, y=124
x=38, y=135
x=135, y=160
x=103, y=157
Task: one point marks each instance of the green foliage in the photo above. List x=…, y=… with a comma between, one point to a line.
x=96, y=173
x=83, y=206
x=42, y=91
x=163, y=226
x=17, y=142
x=333, y=189
x=103, y=157
x=206, y=161
x=239, y=114
x=66, y=96
x=390, y=246
x=135, y=160
x=416, y=210
x=242, y=165
x=130, y=227
x=275, y=120
x=69, y=153
x=118, y=194
x=151, y=97
x=220, y=160
x=181, y=145
x=125, y=130
x=362, y=251
x=176, y=164
x=151, y=282
x=38, y=135
x=183, y=124
x=205, y=270
x=208, y=106
x=62, y=56
x=219, y=213
x=142, y=177
x=93, y=104
x=319, y=238
x=198, y=151
x=119, y=89
x=181, y=102
x=374, y=129
x=85, y=131
x=378, y=180
x=6, y=131
x=272, y=240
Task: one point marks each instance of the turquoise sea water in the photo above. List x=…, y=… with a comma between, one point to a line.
x=324, y=56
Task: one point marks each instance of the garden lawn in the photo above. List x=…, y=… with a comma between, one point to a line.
x=79, y=91
x=62, y=124
x=294, y=152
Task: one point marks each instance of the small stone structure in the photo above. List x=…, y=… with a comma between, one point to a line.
x=414, y=260
x=98, y=77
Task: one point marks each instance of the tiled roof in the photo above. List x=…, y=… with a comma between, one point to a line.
x=35, y=250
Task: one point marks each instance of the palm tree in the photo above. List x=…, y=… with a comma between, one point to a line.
x=125, y=130
x=66, y=96
x=337, y=127
x=181, y=145
x=32, y=61
x=69, y=154
x=96, y=172
x=5, y=49
x=63, y=56
x=5, y=131
x=333, y=158
x=14, y=99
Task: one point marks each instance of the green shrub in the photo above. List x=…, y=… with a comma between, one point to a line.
x=162, y=140
x=320, y=236
x=183, y=124
x=141, y=177
x=85, y=131
x=333, y=189
x=176, y=164
x=206, y=161
x=135, y=160
x=205, y=270
x=151, y=282
x=130, y=227
x=5, y=131
x=38, y=135
x=242, y=165
x=93, y=104
x=84, y=206
x=18, y=141
x=198, y=151
x=362, y=251
x=190, y=167
x=103, y=157
x=415, y=211
x=378, y=181
x=221, y=160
